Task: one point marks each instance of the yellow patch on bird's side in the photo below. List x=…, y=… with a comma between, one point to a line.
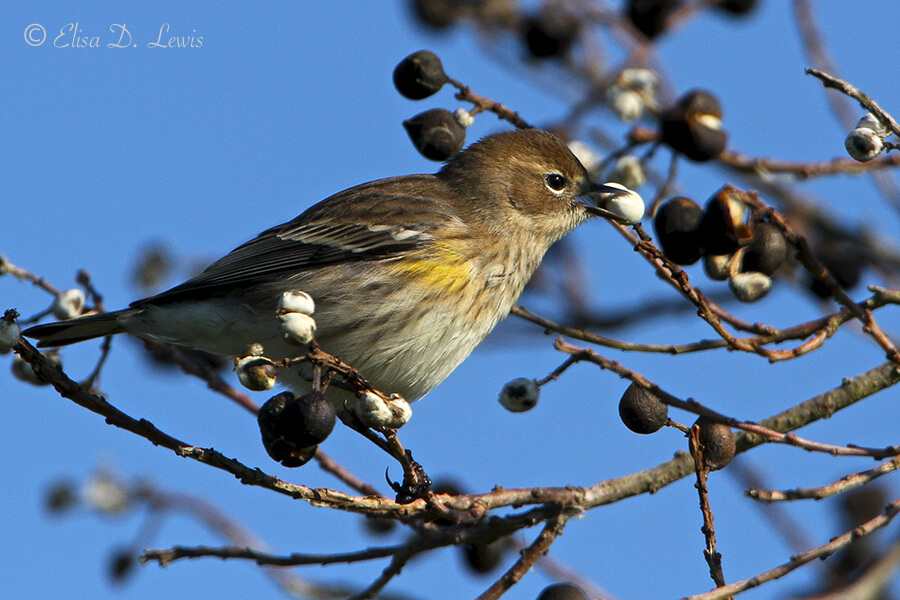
x=439, y=265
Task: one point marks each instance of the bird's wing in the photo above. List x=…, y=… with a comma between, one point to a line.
x=376, y=221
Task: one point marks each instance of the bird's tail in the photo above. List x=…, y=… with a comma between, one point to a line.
x=76, y=330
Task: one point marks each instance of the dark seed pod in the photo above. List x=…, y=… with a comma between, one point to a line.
x=562, y=591
x=716, y=442
x=677, y=225
x=723, y=229
x=482, y=558
x=61, y=496
x=292, y=426
x=550, y=34
x=862, y=504
x=737, y=8
x=693, y=126
x=767, y=251
x=843, y=262
x=419, y=75
x=650, y=17
x=642, y=411
x=436, y=134
x=436, y=14
x=121, y=564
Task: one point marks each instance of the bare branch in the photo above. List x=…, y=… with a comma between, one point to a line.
x=799, y=560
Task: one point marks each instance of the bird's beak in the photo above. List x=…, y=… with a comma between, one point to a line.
x=605, y=188
x=615, y=202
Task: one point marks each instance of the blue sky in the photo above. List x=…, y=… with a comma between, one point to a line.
x=108, y=149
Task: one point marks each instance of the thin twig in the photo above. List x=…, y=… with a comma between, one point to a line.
x=854, y=92
x=483, y=103
x=398, y=561
x=818, y=493
x=170, y=555
x=710, y=553
x=527, y=558
x=805, y=169
x=799, y=560
x=26, y=275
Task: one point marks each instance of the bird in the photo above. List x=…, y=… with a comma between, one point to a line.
x=408, y=274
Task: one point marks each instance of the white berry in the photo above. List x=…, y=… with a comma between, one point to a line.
x=717, y=266
x=297, y=328
x=626, y=204
x=520, y=395
x=643, y=81
x=103, y=493
x=863, y=144
x=870, y=121
x=22, y=370
x=297, y=302
x=750, y=286
x=68, y=304
x=256, y=373
x=9, y=331
x=376, y=412
x=627, y=104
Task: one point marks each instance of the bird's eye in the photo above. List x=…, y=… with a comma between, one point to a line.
x=556, y=182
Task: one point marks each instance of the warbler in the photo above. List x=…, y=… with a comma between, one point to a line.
x=408, y=274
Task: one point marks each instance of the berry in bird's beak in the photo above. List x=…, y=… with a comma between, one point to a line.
x=616, y=202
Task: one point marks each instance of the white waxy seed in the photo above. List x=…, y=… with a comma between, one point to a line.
x=296, y=301
x=297, y=328
x=520, y=395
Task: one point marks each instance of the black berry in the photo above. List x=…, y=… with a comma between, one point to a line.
x=61, y=497
x=562, y=591
x=292, y=426
x=723, y=228
x=436, y=14
x=650, y=17
x=436, y=133
x=121, y=564
x=693, y=126
x=379, y=526
x=482, y=557
x=419, y=75
x=716, y=442
x=642, y=411
x=843, y=262
x=550, y=34
x=767, y=251
x=677, y=225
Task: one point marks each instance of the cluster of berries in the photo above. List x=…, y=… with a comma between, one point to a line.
x=747, y=254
